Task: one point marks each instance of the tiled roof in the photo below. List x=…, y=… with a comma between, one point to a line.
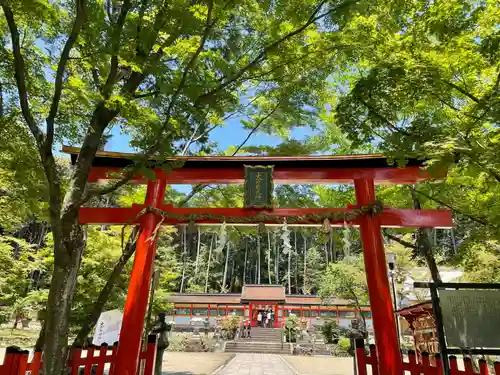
x=209, y=298
x=263, y=293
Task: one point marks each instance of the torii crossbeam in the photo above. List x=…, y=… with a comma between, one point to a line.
x=363, y=170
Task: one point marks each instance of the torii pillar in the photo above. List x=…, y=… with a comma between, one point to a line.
x=384, y=321
x=129, y=346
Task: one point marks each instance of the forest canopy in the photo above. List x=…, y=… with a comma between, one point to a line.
x=405, y=78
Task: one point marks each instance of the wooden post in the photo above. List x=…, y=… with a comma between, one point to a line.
x=384, y=322
x=129, y=347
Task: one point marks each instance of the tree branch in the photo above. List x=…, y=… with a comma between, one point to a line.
x=257, y=125
x=198, y=188
x=461, y=90
x=20, y=76
x=73, y=36
x=93, y=316
x=384, y=119
x=399, y=240
x=313, y=18
x=473, y=218
x=117, y=32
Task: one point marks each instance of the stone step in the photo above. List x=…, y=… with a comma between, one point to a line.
x=265, y=351
x=258, y=349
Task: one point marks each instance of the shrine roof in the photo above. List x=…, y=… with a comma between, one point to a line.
x=235, y=299
x=264, y=293
x=417, y=309
x=364, y=161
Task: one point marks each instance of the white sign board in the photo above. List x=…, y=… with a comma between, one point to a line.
x=471, y=318
x=108, y=327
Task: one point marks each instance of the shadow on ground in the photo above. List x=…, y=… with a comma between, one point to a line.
x=179, y=373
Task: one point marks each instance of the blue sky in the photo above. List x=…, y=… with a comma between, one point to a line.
x=229, y=135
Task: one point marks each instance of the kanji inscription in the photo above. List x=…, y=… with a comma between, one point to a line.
x=258, y=186
x=471, y=318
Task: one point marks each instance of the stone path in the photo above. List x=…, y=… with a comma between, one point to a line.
x=256, y=364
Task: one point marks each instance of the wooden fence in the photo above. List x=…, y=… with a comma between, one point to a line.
x=422, y=364
x=90, y=361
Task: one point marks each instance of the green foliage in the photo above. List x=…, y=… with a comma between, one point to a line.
x=16, y=264
x=330, y=331
x=481, y=261
x=347, y=280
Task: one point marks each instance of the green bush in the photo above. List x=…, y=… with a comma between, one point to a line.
x=344, y=344
x=330, y=331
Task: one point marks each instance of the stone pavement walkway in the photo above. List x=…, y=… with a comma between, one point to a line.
x=256, y=364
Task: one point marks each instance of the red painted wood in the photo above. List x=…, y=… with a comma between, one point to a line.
x=389, y=218
x=469, y=370
x=23, y=363
x=454, y=366
x=361, y=361
x=129, y=348
x=373, y=360
x=408, y=175
x=496, y=365
x=36, y=363
x=384, y=323
x=103, y=351
x=150, y=356
x=483, y=367
x=75, y=361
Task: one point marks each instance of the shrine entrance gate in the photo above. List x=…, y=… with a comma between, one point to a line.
x=364, y=171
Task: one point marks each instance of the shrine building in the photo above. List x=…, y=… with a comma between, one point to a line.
x=255, y=298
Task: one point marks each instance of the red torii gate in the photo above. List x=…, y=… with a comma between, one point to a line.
x=363, y=170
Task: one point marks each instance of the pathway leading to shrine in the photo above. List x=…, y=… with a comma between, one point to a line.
x=256, y=364
x=274, y=364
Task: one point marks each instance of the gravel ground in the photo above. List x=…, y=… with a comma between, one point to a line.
x=180, y=363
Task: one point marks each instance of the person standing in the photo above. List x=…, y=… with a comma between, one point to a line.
x=268, y=320
x=160, y=329
x=259, y=319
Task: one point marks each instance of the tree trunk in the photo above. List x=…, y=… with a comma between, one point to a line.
x=197, y=253
x=277, y=254
x=184, y=253
x=333, y=248
x=269, y=257
x=453, y=243
x=208, y=263
x=93, y=317
x=424, y=245
x=69, y=243
x=245, y=265
x=296, y=262
x=305, y=266
x=325, y=248
x=228, y=247
x=258, y=258
x=231, y=274
x=289, y=271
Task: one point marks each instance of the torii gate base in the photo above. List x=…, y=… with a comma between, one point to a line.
x=384, y=322
x=365, y=173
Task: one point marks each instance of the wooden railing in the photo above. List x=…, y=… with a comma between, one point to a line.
x=423, y=364
x=92, y=360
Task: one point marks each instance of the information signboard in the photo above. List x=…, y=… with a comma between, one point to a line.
x=471, y=318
